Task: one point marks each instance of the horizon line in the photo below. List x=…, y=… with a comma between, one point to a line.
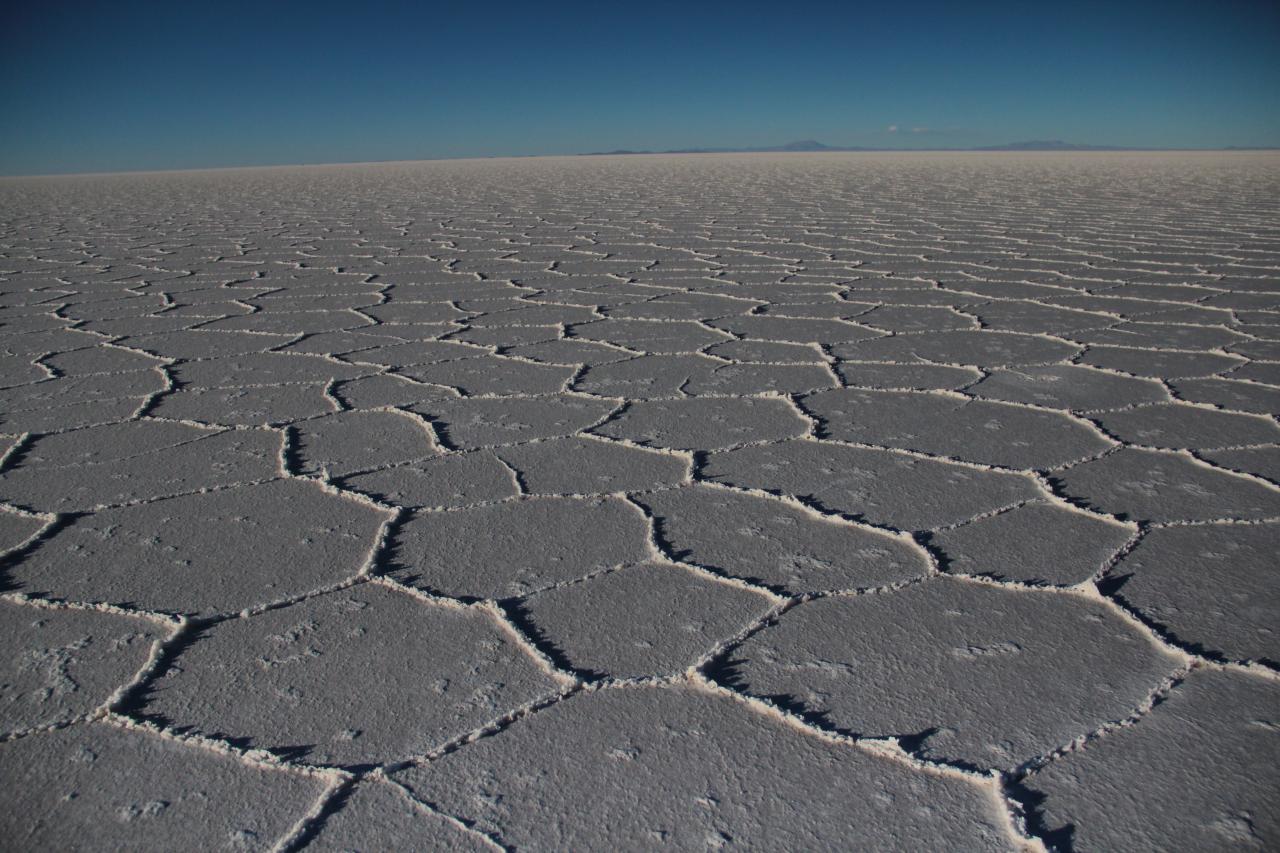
x=690, y=152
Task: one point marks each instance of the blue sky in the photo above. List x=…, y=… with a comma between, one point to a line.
x=98, y=86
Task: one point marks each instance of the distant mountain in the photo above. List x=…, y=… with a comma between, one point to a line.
x=814, y=145
x=1049, y=145
x=802, y=145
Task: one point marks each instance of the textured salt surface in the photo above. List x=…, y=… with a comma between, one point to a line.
x=773, y=501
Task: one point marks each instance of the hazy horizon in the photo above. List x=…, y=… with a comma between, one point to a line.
x=587, y=156
x=146, y=86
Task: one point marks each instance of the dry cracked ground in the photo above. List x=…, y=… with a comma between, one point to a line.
x=804, y=502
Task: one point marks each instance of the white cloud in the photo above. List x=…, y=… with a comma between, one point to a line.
x=893, y=128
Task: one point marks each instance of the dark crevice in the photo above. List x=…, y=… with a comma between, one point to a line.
x=516, y=613
x=1058, y=839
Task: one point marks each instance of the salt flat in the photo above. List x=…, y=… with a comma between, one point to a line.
x=840, y=501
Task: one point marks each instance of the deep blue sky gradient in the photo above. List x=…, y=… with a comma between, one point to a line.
x=100, y=86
